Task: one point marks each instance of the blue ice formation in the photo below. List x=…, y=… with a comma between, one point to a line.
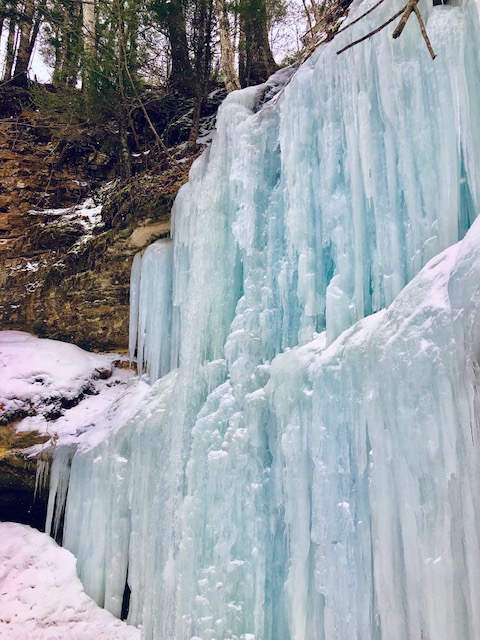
x=306, y=466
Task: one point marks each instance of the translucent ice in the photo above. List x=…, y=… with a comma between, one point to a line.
x=151, y=310
x=308, y=472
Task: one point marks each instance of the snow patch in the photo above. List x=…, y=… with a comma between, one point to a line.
x=41, y=596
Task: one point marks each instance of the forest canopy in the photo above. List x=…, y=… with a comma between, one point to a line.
x=107, y=56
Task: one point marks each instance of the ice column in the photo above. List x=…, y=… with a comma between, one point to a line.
x=150, y=298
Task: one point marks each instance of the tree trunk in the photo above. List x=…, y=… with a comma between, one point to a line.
x=88, y=41
x=132, y=26
x=10, y=54
x=36, y=27
x=61, y=52
x=125, y=160
x=181, y=78
x=24, y=48
x=259, y=62
x=67, y=51
x=309, y=20
x=242, y=51
x=88, y=28
x=203, y=58
x=316, y=11
x=226, y=49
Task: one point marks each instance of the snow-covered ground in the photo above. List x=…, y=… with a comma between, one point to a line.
x=68, y=395
x=41, y=597
x=61, y=389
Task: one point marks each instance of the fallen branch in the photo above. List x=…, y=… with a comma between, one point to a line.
x=350, y=24
x=424, y=33
x=372, y=33
x=404, y=19
x=409, y=9
x=406, y=12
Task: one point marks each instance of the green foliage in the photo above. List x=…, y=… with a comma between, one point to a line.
x=62, y=104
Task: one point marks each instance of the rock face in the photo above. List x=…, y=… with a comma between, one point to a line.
x=65, y=274
x=57, y=284
x=18, y=501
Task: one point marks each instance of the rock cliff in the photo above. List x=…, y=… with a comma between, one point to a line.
x=66, y=266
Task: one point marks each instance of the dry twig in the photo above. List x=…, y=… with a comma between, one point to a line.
x=424, y=33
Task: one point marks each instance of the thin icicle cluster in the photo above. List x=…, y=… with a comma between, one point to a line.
x=42, y=475
x=151, y=310
x=59, y=479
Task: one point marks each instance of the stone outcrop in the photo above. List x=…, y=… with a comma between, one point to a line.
x=58, y=279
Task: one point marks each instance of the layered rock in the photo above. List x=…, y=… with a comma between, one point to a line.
x=64, y=276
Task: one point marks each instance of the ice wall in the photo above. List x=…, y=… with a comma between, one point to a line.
x=293, y=480
x=151, y=311
x=387, y=443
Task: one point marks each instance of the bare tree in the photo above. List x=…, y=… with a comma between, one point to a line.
x=227, y=56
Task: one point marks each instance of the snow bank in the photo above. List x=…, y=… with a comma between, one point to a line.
x=41, y=597
x=37, y=373
x=60, y=388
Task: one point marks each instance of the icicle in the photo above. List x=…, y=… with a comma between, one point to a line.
x=155, y=310
x=59, y=477
x=134, y=304
x=42, y=472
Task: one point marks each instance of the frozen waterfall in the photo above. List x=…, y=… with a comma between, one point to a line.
x=306, y=466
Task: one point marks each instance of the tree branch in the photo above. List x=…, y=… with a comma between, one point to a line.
x=360, y=17
x=406, y=12
x=403, y=21
x=372, y=33
x=424, y=33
